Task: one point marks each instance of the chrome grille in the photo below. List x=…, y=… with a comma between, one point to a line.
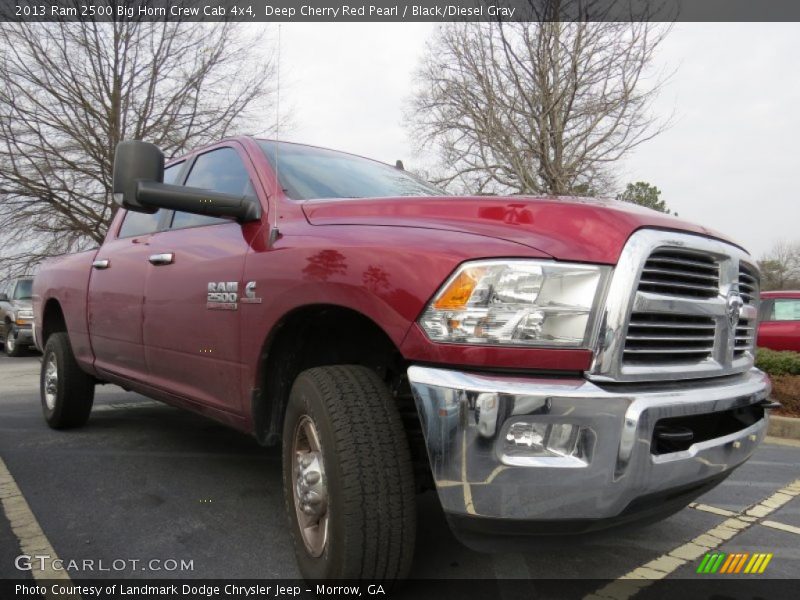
x=659, y=338
x=679, y=306
x=748, y=283
x=680, y=272
x=744, y=337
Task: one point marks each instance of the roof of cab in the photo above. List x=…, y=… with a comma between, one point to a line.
x=781, y=294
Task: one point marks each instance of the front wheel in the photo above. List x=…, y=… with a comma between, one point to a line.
x=347, y=477
x=67, y=391
x=11, y=347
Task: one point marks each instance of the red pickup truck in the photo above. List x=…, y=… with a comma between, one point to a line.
x=549, y=365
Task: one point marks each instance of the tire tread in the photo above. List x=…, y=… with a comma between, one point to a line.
x=75, y=395
x=375, y=466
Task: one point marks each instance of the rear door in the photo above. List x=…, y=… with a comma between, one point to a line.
x=191, y=316
x=116, y=291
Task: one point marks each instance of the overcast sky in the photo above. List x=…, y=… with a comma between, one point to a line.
x=729, y=161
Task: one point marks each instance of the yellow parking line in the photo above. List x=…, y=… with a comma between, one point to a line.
x=781, y=526
x=712, y=509
x=629, y=584
x=32, y=540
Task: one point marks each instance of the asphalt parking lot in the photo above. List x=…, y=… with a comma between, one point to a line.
x=144, y=480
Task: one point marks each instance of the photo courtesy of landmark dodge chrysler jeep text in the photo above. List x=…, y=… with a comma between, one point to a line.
x=550, y=365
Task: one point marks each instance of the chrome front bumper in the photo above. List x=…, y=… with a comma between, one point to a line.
x=25, y=335
x=466, y=419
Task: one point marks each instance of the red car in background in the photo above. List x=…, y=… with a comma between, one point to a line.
x=779, y=327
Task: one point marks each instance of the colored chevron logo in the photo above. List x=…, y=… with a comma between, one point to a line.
x=733, y=564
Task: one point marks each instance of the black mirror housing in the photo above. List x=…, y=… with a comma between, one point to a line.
x=3, y=297
x=136, y=162
x=139, y=186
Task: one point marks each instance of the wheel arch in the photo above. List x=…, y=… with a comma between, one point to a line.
x=317, y=335
x=53, y=320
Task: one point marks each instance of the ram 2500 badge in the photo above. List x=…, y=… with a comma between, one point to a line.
x=548, y=365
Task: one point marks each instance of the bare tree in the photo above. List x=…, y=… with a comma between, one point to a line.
x=544, y=108
x=70, y=91
x=780, y=268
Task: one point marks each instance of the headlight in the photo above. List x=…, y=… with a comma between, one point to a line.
x=517, y=302
x=24, y=316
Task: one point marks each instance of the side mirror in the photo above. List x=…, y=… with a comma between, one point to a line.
x=3, y=297
x=136, y=161
x=138, y=186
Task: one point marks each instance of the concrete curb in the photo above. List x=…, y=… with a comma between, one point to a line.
x=784, y=427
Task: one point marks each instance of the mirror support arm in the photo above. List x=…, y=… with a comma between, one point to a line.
x=197, y=201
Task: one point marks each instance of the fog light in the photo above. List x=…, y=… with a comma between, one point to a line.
x=556, y=444
x=562, y=439
x=526, y=434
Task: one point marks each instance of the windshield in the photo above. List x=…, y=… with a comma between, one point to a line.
x=308, y=173
x=24, y=289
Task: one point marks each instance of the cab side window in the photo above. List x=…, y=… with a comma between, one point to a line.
x=785, y=309
x=137, y=223
x=220, y=170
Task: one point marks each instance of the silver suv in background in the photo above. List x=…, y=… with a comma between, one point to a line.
x=16, y=316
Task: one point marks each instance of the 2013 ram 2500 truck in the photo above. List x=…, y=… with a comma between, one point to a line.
x=549, y=365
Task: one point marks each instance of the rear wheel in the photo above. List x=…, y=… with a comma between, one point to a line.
x=67, y=391
x=11, y=347
x=348, y=480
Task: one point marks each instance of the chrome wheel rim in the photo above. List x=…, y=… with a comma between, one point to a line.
x=309, y=487
x=11, y=341
x=50, y=381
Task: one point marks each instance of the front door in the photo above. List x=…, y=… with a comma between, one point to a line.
x=191, y=309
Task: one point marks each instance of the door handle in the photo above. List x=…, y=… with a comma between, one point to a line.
x=101, y=263
x=165, y=258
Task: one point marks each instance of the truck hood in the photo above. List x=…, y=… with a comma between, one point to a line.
x=20, y=304
x=575, y=229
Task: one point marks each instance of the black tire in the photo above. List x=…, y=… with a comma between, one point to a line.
x=72, y=393
x=12, y=349
x=368, y=475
